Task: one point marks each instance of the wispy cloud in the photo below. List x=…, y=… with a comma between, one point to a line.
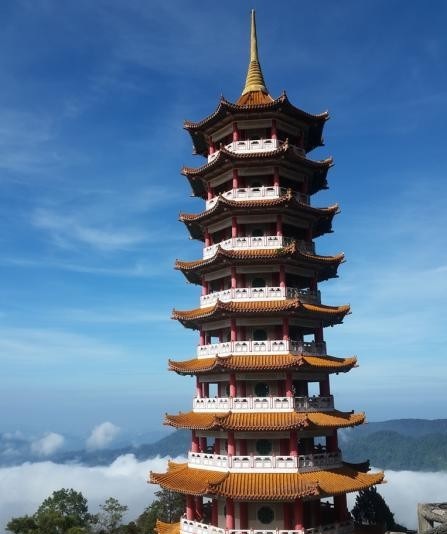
x=50, y=346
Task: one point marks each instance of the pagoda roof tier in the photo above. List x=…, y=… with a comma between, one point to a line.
x=264, y=486
x=324, y=266
x=263, y=362
x=226, y=159
x=263, y=421
x=319, y=218
x=328, y=315
x=167, y=528
x=255, y=105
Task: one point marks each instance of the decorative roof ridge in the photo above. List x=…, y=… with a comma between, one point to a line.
x=284, y=198
x=285, y=148
x=225, y=104
x=289, y=249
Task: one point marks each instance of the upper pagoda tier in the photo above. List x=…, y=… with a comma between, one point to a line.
x=286, y=157
x=263, y=362
x=323, y=267
x=295, y=212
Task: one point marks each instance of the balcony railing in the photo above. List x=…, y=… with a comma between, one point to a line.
x=260, y=293
x=194, y=527
x=274, y=404
x=255, y=145
x=258, y=242
x=276, y=346
x=253, y=193
x=302, y=463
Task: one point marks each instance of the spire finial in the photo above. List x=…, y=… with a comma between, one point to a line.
x=255, y=79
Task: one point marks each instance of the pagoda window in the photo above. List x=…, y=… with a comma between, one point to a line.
x=260, y=334
x=261, y=389
x=264, y=447
x=265, y=515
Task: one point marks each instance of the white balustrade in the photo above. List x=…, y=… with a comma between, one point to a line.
x=260, y=293
x=302, y=463
x=253, y=193
x=249, y=242
x=275, y=404
x=255, y=145
x=249, y=347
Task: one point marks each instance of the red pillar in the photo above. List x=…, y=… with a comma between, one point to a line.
x=198, y=388
x=233, y=278
x=209, y=192
x=243, y=388
x=319, y=337
x=190, y=507
x=233, y=227
x=274, y=131
x=325, y=389
x=194, y=442
x=340, y=505
x=202, y=338
x=243, y=447
x=217, y=446
x=231, y=448
x=214, y=512
x=289, y=384
x=211, y=147
x=229, y=519
x=285, y=328
x=199, y=508
x=203, y=444
x=298, y=514
x=235, y=179
x=235, y=132
x=205, y=389
x=207, y=238
x=293, y=443
x=243, y=515
x=288, y=516
x=332, y=442
x=282, y=276
x=276, y=177
x=233, y=330
x=279, y=225
x=233, y=384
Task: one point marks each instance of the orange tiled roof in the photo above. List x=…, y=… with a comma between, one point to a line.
x=167, y=528
x=320, y=218
x=331, y=314
x=285, y=150
x=254, y=98
x=262, y=362
x=282, y=102
x=264, y=486
x=263, y=421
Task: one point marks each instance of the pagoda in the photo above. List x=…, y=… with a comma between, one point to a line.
x=264, y=453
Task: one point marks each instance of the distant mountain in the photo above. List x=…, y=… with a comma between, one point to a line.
x=414, y=444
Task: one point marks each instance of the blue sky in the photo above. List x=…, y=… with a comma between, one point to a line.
x=92, y=100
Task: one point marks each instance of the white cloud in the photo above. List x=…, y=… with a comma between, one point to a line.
x=124, y=479
x=48, y=444
x=102, y=435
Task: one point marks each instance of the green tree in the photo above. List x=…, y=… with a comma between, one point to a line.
x=111, y=516
x=64, y=512
x=370, y=508
x=168, y=506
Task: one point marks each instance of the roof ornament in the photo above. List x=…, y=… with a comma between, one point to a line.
x=255, y=79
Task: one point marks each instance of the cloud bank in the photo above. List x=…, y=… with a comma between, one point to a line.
x=102, y=435
x=24, y=487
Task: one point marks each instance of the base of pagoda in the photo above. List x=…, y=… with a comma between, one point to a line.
x=194, y=527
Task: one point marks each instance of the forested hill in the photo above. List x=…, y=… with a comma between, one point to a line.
x=413, y=444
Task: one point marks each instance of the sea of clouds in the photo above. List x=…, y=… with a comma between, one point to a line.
x=23, y=488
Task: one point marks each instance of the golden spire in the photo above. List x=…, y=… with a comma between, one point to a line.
x=255, y=79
